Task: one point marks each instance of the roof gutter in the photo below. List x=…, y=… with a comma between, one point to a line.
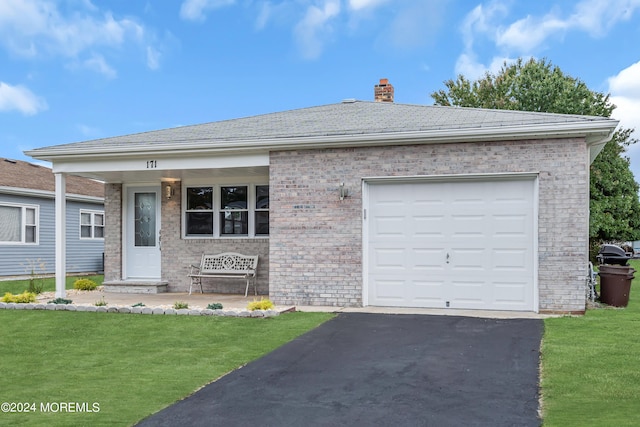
x=15, y=191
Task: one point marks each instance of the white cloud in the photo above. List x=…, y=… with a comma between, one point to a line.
x=38, y=28
x=98, y=64
x=19, y=98
x=467, y=64
x=311, y=31
x=627, y=82
x=194, y=10
x=526, y=36
x=625, y=94
x=594, y=17
x=153, y=58
x=365, y=4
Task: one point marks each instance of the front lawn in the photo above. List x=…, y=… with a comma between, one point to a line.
x=591, y=366
x=129, y=365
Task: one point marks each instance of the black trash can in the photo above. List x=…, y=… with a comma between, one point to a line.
x=615, y=284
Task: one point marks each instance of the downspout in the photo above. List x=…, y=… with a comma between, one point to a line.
x=61, y=235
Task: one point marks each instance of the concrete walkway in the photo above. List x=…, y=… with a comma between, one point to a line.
x=240, y=302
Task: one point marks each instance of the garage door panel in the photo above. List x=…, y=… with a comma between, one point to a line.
x=389, y=259
x=388, y=226
x=510, y=292
x=469, y=226
x=485, y=228
x=389, y=291
x=428, y=259
x=511, y=225
x=511, y=260
x=427, y=225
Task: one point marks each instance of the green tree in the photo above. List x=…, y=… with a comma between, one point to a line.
x=539, y=86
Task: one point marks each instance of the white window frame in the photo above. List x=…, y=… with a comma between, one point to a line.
x=217, y=210
x=24, y=225
x=93, y=224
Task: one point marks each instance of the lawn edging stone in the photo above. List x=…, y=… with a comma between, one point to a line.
x=139, y=310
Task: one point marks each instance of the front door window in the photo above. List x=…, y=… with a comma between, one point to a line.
x=145, y=219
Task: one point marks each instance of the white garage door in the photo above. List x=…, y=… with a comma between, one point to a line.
x=459, y=244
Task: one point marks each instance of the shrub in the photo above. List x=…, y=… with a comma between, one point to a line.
x=138, y=304
x=101, y=302
x=179, y=304
x=60, y=301
x=22, y=298
x=263, y=304
x=215, y=306
x=85, y=285
x=35, y=286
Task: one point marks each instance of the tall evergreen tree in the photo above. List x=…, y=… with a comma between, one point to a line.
x=539, y=86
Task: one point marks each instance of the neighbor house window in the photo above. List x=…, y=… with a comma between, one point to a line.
x=226, y=211
x=91, y=224
x=18, y=224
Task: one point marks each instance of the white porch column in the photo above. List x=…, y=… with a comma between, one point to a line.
x=61, y=233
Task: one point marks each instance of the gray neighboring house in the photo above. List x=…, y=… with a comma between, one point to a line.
x=27, y=221
x=357, y=204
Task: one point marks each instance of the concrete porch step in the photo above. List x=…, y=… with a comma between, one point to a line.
x=134, y=287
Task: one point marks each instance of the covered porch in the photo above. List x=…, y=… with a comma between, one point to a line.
x=161, y=216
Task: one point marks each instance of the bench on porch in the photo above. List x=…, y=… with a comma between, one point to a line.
x=228, y=265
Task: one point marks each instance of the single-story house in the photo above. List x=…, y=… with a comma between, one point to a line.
x=27, y=221
x=356, y=203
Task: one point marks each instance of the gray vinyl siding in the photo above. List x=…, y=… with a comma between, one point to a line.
x=83, y=255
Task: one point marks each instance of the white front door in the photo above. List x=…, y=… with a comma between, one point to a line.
x=458, y=244
x=142, y=233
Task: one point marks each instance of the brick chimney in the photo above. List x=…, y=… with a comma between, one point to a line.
x=383, y=92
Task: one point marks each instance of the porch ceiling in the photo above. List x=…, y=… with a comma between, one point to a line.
x=174, y=175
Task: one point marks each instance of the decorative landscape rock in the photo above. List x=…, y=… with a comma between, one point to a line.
x=139, y=310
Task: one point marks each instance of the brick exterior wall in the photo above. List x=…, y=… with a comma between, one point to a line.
x=178, y=253
x=316, y=239
x=113, y=232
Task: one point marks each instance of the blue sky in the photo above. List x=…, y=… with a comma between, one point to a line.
x=74, y=70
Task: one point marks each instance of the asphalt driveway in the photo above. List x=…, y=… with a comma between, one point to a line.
x=381, y=370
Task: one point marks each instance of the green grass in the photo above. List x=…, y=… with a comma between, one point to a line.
x=48, y=284
x=591, y=366
x=131, y=365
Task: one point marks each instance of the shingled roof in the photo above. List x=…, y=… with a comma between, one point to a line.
x=342, y=121
x=19, y=174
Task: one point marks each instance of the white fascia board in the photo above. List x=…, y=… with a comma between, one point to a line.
x=43, y=194
x=150, y=162
x=590, y=130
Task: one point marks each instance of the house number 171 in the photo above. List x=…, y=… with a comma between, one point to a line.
x=152, y=164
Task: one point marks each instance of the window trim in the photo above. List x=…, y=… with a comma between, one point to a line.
x=93, y=225
x=217, y=210
x=24, y=225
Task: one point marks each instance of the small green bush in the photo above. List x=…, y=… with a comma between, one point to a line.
x=35, y=286
x=22, y=298
x=138, y=304
x=179, y=304
x=101, y=302
x=215, y=306
x=263, y=304
x=85, y=285
x=60, y=301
